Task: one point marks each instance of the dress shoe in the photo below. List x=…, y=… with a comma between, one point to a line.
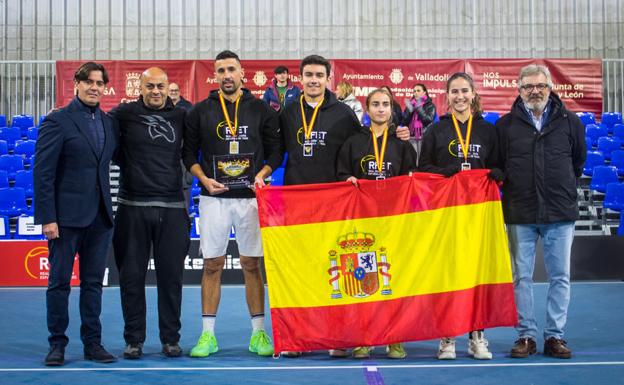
x=56, y=356
x=523, y=348
x=97, y=353
x=557, y=348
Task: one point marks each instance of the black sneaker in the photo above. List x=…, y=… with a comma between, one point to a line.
x=133, y=351
x=97, y=353
x=56, y=356
x=172, y=350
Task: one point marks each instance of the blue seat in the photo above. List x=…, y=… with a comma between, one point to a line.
x=5, y=230
x=587, y=117
x=27, y=229
x=10, y=135
x=366, y=122
x=614, y=197
x=618, y=131
x=3, y=121
x=11, y=164
x=13, y=202
x=594, y=132
x=491, y=116
x=4, y=149
x=594, y=158
x=277, y=178
x=608, y=144
x=41, y=119
x=603, y=175
x=617, y=160
x=24, y=131
x=26, y=148
x=193, y=208
x=33, y=133
x=24, y=179
x=589, y=144
x=621, y=228
x=610, y=119
x=22, y=121
x=195, y=189
x=4, y=179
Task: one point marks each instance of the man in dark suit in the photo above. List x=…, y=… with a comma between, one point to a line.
x=73, y=203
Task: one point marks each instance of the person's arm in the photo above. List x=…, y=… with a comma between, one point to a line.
x=426, y=112
x=47, y=153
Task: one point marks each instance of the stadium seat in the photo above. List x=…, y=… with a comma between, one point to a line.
x=614, y=197
x=13, y=202
x=594, y=158
x=621, y=228
x=5, y=232
x=618, y=131
x=11, y=164
x=33, y=133
x=589, y=144
x=587, y=117
x=41, y=119
x=22, y=121
x=193, y=208
x=617, y=160
x=607, y=145
x=610, y=119
x=24, y=179
x=10, y=135
x=26, y=148
x=4, y=179
x=195, y=227
x=4, y=149
x=491, y=117
x=603, y=175
x=195, y=189
x=594, y=132
x=2, y=120
x=27, y=229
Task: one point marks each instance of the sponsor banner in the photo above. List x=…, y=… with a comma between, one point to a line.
x=257, y=75
x=123, y=85
x=578, y=82
x=399, y=75
x=25, y=263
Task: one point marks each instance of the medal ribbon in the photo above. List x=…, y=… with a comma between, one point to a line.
x=227, y=116
x=307, y=127
x=380, y=157
x=464, y=144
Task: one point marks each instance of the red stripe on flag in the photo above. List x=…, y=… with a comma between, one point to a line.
x=422, y=317
x=314, y=203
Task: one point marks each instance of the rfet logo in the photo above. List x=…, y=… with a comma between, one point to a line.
x=37, y=264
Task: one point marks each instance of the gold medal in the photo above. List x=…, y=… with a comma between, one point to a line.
x=234, y=147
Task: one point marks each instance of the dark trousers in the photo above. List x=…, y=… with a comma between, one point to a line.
x=137, y=231
x=91, y=243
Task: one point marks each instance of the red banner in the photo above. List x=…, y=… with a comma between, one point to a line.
x=123, y=85
x=578, y=82
x=399, y=75
x=257, y=75
x=25, y=263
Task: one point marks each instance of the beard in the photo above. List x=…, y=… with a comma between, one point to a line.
x=536, y=104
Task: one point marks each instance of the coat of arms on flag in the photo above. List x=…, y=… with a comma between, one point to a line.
x=358, y=266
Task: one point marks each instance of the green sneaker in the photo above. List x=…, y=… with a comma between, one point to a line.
x=362, y=352
x=206, y=345
x=396, y=351
x=260, y=343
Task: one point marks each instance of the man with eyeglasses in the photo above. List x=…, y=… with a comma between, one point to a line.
x=73, y=203
x=542, y=148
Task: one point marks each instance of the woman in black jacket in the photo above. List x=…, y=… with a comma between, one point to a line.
x=461, y=140
x=419, y=114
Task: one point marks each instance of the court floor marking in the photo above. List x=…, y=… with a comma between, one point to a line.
x=315, y=367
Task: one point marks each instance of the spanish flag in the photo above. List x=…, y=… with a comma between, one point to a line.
x=408, y=258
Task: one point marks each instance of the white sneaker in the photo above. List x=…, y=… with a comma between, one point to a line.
x=446, y=351
x=478, y=346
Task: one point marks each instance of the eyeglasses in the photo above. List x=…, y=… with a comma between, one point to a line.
x=538, y=86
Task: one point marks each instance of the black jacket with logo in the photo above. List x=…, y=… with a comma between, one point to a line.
x=149, y=151
x=441, y=146
x=541, y=167
x=335, y=122
x=357, y=157
x=207, y=134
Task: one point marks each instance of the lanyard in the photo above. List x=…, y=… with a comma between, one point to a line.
x=380, y=157
x=227, y=116
x=466, y=143
x=307, y=127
